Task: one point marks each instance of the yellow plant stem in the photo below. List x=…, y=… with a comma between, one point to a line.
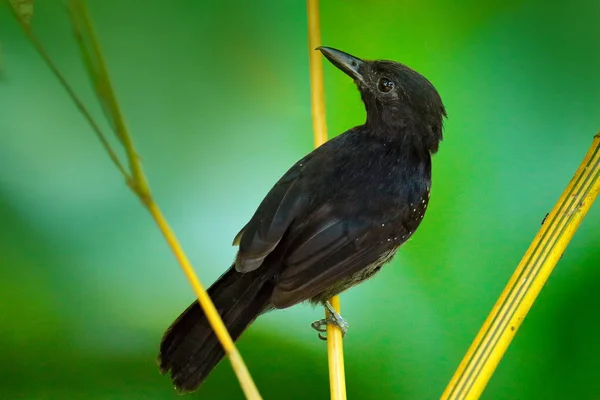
x=89, y=46
x=92, y=53
x=508, y=313
x=207, y=305
x=335, y=350
x=317, y=89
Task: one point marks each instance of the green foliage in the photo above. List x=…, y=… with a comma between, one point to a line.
x=217, y=98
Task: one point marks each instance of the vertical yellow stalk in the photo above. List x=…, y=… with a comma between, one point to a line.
x=335, y=351
x=518, y=296
x=317, y=89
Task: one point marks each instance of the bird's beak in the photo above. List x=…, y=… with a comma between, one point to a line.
x=344, y=61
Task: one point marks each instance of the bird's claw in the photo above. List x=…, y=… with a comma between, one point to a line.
x=333, y=318
x=321, y=327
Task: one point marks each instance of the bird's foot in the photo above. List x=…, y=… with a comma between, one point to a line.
x=332, y=317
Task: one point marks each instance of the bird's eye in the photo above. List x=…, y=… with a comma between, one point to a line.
x=385, y=85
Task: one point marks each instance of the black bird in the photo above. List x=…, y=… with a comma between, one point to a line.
x=333, y=220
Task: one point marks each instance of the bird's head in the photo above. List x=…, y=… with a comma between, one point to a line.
x=397, y=99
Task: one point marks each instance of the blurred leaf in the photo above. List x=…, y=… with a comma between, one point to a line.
x=24, y=9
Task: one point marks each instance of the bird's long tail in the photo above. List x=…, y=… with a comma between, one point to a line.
x=190, y=349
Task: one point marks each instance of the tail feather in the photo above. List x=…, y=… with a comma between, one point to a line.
x=190, y=349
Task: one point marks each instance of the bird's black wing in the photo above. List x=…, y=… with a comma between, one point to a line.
x=330, y=247
x=261, y=235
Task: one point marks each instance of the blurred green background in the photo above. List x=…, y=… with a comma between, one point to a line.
x=217, y=97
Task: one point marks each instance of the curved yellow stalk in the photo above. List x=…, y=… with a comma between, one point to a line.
x=92, y=54
x=508, y=313
x=90, y=50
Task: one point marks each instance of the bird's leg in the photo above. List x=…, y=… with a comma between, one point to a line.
x=331, y=317
x=335, y=318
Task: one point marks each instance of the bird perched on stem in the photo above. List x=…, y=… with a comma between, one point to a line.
x=332, y=221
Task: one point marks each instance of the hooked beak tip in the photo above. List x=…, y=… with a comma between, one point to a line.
x=347, y=63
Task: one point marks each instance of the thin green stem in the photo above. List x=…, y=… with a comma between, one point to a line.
x=37, y=45
x=96, y=68
x=94, y=59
